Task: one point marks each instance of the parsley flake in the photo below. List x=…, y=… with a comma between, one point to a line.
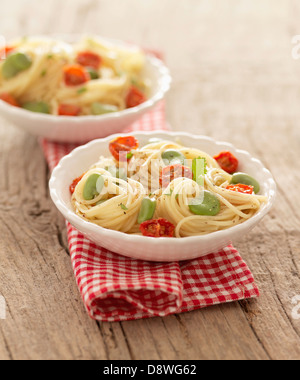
x=123, y=207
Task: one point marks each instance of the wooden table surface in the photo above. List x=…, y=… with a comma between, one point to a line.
x=235, y=80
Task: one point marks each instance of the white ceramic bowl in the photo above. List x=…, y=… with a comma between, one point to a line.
x=85, y=128
x=154, y=249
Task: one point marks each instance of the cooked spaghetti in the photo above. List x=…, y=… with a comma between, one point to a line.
x=93, y=77
x=165, y=190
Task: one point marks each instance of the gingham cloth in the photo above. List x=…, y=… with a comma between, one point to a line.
x=116, y=288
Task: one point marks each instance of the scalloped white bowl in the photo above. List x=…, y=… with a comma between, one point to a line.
x=154, y=249
x=86, y=128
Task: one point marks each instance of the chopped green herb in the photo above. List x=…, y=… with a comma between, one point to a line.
x=123, y=207
x=82, y=90
x=43, y=73
x=93, y=73
x=129, y=155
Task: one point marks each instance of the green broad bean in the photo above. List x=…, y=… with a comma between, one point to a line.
x=39, y=107
x=245, y=179
x=210, y=205
x=14, y=64
x=171, y=157
x=100, y=184
x=93, y=186
x=147, y=210
x=102, y=109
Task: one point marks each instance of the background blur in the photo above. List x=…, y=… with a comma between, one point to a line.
x=235, y=54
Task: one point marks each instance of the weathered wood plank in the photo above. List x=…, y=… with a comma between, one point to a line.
x=35, y=271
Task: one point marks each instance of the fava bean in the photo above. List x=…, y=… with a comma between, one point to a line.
x=93, y=186
x=15, y=63
x=39, y=107
x=172, y=157
x=245, y=179
x=147, y=210
x=210, y=205
x=100, y=184
x=101, y=109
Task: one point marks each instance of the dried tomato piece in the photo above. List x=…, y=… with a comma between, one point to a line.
x=169, y=173
x=227, y=161
x=5, y=51
x=123, y=144
x=240, y=188
x=135, y=97
x=89, y=59
x=9, y=99
x=157, y=228
x=75, y=75
x=69, y=110
x=75, y=183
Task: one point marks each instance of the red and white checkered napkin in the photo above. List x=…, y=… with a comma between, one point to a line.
x=116, y=288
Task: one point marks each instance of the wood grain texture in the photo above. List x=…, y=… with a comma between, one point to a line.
x=234, y=80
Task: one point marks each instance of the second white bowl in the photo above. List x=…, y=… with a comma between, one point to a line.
x=85, y=128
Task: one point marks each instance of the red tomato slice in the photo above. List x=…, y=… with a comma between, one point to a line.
x=75, y=75
x=5, y=51
x=69, y=110
x=169, y=173
x=157, y=228
x=89, y=59
x=135, y=97
x=9, y=99
x=227, y=161
x=240, y=188
x=123, y=144
x=75, y=183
